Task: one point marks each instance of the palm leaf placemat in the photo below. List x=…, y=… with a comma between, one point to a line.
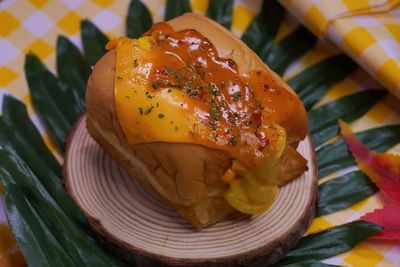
x=51, y=230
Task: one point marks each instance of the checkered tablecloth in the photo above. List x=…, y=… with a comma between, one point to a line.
x=33, y=25
x=367, y=30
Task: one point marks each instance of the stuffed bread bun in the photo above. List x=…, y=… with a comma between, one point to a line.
x=190, y=111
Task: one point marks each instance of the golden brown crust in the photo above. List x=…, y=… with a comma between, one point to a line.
x=188, y=175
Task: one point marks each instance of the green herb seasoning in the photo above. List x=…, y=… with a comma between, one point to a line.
x=171, y=70
x=215, y=111
x=234, y=140
x=248, y=122
x=148, y=110
x=259, y=104
x=213, y=89
x=236, y=96
x=251, y=89
x=232, y=119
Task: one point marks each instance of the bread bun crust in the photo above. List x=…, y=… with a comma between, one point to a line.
x=187, y=173
x=185, y=176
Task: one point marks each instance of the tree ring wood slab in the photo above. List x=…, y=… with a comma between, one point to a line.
x=136, y=226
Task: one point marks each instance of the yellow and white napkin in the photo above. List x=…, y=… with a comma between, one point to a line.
x=367, y=30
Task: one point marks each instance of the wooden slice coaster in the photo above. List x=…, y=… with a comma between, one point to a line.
x=136, y=226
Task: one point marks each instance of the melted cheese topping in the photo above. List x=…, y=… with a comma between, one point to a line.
x=172, y=87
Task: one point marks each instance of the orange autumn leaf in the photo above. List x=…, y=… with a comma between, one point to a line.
x=7, y=239
x=13, y=259
x=10, y=256
x=383, y=169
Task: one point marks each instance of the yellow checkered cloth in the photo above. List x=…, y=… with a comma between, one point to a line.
x=367, y=30
x=33, y=25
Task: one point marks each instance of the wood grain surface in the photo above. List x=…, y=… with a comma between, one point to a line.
x=137, y=227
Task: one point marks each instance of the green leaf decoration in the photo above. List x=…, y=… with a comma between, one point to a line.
x=348, y=108
x=15, y=141
x=71, y=69
x=285, y=53
x=75, y=241
x=312, y=83
x=335, y=156
x=54, y=102
x=221, y=11
x=331, y=242
x=309, y=264
x=175, y=8
x=139, y=19
x=15, y=113
x=344, y=191
x=324, y=135
x=94, y=42
x=36, y=244
x=260, y=35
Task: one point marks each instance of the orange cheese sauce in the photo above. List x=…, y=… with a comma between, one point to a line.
x=171, y=86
